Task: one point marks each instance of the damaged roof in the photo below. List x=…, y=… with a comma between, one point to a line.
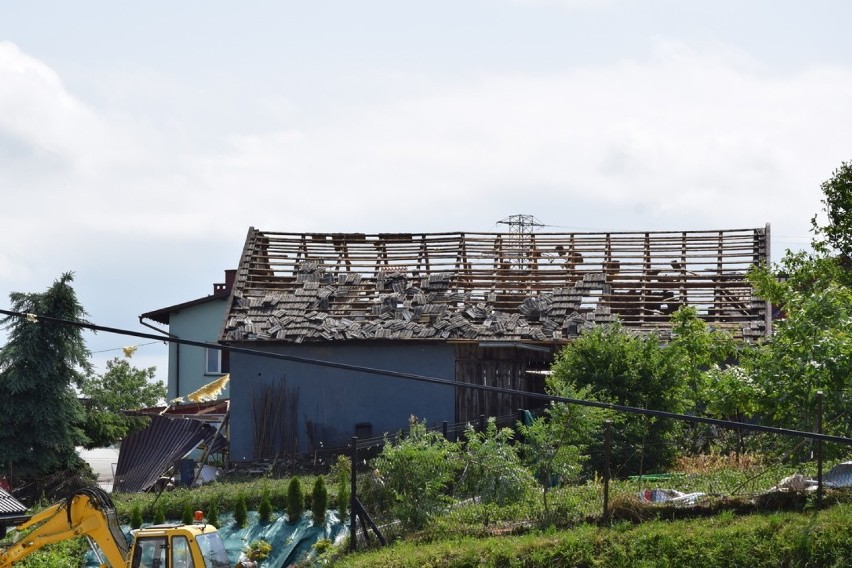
x=539, y=287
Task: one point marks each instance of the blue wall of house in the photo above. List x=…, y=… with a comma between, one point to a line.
x=336, y=400
x=201, y=322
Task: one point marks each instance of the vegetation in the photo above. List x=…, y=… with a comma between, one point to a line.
x=136, y=517
x=241, y=511
x=760, y=541
x=213, y=514
x=319, y=500
x=295, y=500
x=417, y=472
x=341, y=471
x=159, y=514
x=121, y=387
x=40, y=365
x=264, y=511
x=257, y=550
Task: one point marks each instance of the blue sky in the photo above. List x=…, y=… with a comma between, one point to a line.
x=139, y=142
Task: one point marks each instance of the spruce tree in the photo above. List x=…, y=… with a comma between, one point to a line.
x=39, y=366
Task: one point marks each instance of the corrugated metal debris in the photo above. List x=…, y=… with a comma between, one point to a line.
x=9, y=506
x=490, y=286
x=147, y=454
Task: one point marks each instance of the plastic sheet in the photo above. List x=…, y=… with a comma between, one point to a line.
x=290, y=541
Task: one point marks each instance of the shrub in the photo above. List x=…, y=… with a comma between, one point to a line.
x=417, y=471
x=257, y=550
x=493, y=472
x=342, y=470
x=295, y=500
x=319, y=502
x=213, y=514
x=159, y=514
x=187, y=517
x=136, y=517
x=241, y=512
x=265, y=509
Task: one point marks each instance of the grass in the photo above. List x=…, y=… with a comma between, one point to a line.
x=569, y=532
x=813, y=539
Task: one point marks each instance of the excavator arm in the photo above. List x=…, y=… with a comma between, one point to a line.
x=89, y=512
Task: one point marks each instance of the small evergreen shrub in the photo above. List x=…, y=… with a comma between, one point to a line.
x=295, y=500
x=136, y=517
x=319, y=501
x=159, y=514
x=241, y=512
x=213, y=515
x=265, y=509
x=186, y=515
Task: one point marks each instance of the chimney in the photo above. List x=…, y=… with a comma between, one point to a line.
x=230, y=276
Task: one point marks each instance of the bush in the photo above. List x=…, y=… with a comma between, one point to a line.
x=136, y=517
x=213, y=514
x=319, y=502
x=159, y=514
x=493, y=472
x=265, y=509
x=295, y=500
x=187, y=516
x=418, y=471
x=241, y=512
x=257, y=550
x=342, y=471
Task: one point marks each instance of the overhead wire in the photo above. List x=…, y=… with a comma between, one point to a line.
x=36, y=318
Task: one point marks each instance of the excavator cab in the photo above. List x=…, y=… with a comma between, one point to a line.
x=178, y=546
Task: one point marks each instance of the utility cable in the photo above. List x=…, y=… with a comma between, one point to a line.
x=33, y=318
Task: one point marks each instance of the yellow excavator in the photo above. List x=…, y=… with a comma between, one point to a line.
x=89, y=513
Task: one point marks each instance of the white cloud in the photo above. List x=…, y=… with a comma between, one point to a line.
x=694, y=137
x=689, y=139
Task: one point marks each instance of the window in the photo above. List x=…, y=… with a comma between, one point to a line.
x=216, y=362
x=150, y=552
x=181, y=555
x=213, y=550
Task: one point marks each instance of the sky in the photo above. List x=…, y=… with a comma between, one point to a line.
x=140, y=141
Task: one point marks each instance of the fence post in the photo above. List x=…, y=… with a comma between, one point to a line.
x=819, y=448
x=353, y=498
x=445, y=430
x=607, y=444
x=482, y=423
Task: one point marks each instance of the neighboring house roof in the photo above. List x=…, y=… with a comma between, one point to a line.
x=541, y=287
x=221, y=291
x=163, y=315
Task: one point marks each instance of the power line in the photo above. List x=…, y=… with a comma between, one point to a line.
x=35, y=318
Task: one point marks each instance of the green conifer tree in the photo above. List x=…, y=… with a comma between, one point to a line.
x=295, y=500
x=319, y=501
x=241, y=512
x=40, y=365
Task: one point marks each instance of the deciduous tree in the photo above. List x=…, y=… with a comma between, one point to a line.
x=121, y=387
